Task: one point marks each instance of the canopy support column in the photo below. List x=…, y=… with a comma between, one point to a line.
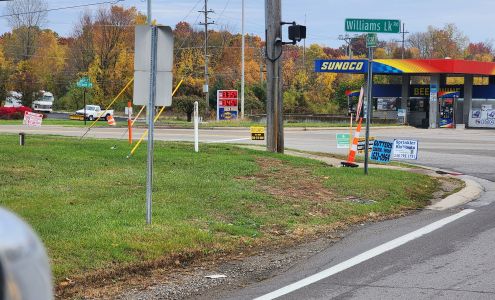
x=433, y=112
x=468, y=98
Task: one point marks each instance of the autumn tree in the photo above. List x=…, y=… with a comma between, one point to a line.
x=26, y=17
x=444, y=42
x=479, y=51
x=48, y=63
x=81, y=46
x=5, y=72
x=24, y=81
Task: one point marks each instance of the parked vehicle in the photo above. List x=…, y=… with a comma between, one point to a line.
x=24, y=267
x=13, y=99
x=92, y=113
x=44, y=102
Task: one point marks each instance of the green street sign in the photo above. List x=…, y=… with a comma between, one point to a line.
x=84, y=83
x=372, y=25
x=343, y=140
x=371, y=40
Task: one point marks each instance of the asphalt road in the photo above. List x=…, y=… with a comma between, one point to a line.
x=429, y=255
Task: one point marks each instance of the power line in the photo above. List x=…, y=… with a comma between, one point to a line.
x=61, y=8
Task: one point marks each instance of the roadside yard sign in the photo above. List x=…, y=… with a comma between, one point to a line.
x=362, y=141
x=76, y=117
x=32, y=119
x=405, y=149
x=343, y=140
x=257, y=133
x=381, y=151
x=372, y=25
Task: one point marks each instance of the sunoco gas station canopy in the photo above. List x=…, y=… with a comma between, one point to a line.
x=406, y=66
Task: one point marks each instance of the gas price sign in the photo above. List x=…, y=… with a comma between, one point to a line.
x=227, y=104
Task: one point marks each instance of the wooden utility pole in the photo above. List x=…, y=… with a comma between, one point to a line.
x=242, y=62
x=206, y=85
x=274, y=101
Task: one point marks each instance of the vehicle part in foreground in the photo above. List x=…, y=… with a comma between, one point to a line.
x=24, y=268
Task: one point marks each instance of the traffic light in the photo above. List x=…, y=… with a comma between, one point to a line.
x=297, y=33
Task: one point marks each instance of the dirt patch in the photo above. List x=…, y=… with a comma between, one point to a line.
x=286, y=182
x=448, y=186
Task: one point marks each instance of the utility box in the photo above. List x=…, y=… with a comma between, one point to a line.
x=164, y=65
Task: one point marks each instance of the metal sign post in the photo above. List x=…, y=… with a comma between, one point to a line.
x=150, y=113
x=84, y=103
x=372, y=26
x=152, y=83
x=151, y=116
x=84, y=83
x=369, y=93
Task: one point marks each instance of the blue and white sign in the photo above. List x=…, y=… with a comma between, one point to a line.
x=405, y=149
x=359, y=66
x=382, y=151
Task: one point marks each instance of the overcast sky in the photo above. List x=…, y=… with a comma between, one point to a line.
x=324, y=18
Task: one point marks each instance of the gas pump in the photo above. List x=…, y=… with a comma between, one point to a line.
x=446, y=102
x=351, y=107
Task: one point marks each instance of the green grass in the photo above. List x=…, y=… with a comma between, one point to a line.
x=61, y=122
x=87, y=202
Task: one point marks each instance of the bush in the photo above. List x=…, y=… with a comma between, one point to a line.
x=14, y=113
x=185, y=104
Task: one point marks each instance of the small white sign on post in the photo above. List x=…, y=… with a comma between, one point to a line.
x=196, y=126
x=405, y=149
x=32, y=119
x=128, y=111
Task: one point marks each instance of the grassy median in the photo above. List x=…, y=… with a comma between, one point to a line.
x=87, y=201
x=62, y=122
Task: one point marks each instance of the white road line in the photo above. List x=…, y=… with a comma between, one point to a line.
x=365, y=256
x=227, y=141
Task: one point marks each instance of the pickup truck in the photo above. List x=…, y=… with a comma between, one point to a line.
x=92, y=113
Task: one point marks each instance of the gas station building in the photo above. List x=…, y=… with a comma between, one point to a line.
x=433, y=103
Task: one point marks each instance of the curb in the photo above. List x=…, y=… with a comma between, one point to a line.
x=470, y=192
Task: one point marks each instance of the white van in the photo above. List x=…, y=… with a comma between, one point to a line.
x=44, y=103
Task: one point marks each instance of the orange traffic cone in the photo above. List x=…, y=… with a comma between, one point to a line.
x=353, y=150
x=111, y=121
